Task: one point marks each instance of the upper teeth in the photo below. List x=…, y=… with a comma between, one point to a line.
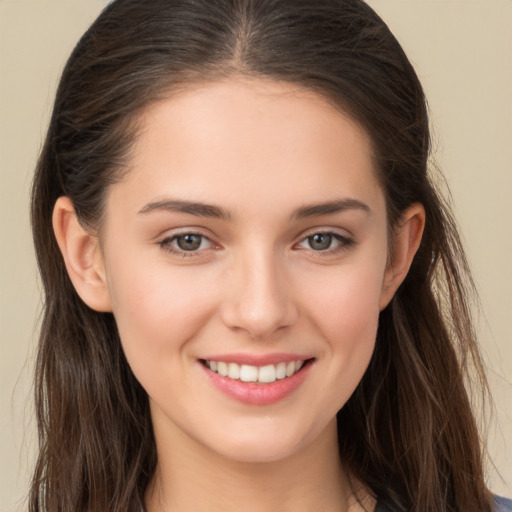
x=248, y=373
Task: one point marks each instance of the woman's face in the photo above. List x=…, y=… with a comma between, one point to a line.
x=249, y=238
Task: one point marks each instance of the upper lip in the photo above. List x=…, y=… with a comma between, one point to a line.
x=258, y=359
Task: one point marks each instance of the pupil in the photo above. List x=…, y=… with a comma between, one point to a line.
x=320, y=242
x=189, y=242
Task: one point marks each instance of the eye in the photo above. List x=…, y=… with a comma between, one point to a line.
x=325, y=242
x=186, y=242
x=320, y=241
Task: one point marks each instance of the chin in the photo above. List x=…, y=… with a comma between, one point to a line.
x=261, y=452
x=260, y=445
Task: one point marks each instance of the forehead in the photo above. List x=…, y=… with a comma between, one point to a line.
x=238, y=139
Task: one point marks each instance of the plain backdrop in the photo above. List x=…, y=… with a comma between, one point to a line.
x=462, y=51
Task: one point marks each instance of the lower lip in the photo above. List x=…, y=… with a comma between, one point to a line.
x=258, y=394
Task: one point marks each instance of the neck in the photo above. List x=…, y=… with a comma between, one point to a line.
x=192, y=477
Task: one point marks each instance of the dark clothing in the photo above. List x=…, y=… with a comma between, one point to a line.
x=382, y=508
x=500, y=505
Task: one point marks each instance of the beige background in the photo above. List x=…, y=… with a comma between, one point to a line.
x=463, y=53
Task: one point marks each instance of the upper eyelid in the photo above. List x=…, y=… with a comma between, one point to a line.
x=183, y=233
x=343, y=240
x=171, y=238
x=169, y=234
x=337, y=232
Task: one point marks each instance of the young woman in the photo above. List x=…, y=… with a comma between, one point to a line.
x=255, y=297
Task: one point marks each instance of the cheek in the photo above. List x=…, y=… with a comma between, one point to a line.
x=346, y=313
x=157, y=311
x=345, y=303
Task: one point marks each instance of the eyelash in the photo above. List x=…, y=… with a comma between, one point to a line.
x=166, y=244
x=342, y=244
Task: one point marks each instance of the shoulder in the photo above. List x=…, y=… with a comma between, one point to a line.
x=502, y=504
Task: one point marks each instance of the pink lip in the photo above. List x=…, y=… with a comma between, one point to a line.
x=258, y=359
x=257, y=394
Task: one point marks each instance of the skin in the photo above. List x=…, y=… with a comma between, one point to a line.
x=262, y=153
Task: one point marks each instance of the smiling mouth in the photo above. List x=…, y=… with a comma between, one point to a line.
x=256, y=374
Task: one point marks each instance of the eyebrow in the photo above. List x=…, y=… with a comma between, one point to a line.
x=208, y=210
x=329, y=208
x=190, y=207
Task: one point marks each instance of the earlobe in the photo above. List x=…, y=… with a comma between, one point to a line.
x=82, y=256
x=405, y=245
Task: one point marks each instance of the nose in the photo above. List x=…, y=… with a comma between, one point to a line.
x=259, y=297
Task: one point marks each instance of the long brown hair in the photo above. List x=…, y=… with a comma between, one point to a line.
x=408, y=431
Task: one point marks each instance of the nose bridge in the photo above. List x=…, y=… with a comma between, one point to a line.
x=259, y=301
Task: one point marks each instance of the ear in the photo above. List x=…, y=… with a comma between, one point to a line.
x=406, y=241
x=82, y=256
